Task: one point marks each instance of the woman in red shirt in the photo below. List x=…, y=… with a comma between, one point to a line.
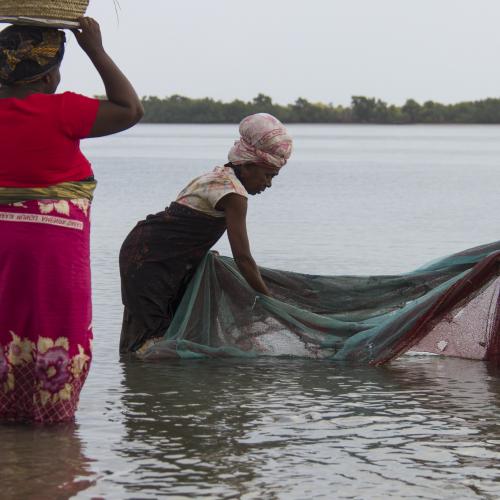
x=46, y=189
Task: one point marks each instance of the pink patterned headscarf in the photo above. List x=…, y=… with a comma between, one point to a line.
x=264, y=139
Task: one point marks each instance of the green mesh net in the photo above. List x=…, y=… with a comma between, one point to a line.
x=364, y=319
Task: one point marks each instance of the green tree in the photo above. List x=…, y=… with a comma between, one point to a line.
x=363, y=108
x=411, y=109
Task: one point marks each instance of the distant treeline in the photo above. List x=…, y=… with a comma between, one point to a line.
x=180, y=109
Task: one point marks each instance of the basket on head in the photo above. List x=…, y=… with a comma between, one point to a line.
x=55, y=13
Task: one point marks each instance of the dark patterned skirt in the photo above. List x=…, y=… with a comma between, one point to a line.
x=157, y=260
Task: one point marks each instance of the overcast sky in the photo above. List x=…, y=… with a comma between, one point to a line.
x=322, y=50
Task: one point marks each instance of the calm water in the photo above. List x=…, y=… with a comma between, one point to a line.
x=355, y=199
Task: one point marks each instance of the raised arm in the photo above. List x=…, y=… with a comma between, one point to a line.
x=235, y=207
x=123, y=109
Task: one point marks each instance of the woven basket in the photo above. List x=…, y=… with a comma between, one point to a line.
x=57, y=13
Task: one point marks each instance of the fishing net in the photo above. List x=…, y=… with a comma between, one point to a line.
x=363, y=319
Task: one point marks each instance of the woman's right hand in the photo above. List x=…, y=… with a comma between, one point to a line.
x=89, y=35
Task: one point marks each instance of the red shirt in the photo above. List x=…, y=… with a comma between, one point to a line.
x=40, y=139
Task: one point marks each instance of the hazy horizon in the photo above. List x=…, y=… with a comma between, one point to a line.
x=324, y=51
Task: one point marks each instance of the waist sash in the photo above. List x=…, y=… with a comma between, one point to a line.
x=63, y=191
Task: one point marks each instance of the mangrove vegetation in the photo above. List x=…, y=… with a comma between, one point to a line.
x=180, y=109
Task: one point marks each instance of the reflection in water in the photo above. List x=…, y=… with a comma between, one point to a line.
x=45, y=463
x=276, y=428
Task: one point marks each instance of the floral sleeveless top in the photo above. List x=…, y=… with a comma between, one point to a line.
x=204, y=192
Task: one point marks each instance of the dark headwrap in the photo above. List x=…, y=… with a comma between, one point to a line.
x=27, y=53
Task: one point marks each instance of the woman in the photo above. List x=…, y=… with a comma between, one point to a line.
x=46, y=187
x=160, y=255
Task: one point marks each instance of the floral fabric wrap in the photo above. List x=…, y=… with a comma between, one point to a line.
x=264, y=139
x=45, y=311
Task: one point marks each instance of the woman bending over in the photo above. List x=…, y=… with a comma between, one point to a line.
x=160, y=255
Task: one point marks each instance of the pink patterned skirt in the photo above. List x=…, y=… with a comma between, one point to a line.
x=45, y=309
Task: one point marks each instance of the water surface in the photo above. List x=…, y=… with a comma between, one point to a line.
x=354, y=200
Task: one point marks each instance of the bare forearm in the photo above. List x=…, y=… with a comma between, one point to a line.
x=251, y=273
x=118, y=89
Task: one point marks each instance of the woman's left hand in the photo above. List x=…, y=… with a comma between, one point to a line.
x=89, y=36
